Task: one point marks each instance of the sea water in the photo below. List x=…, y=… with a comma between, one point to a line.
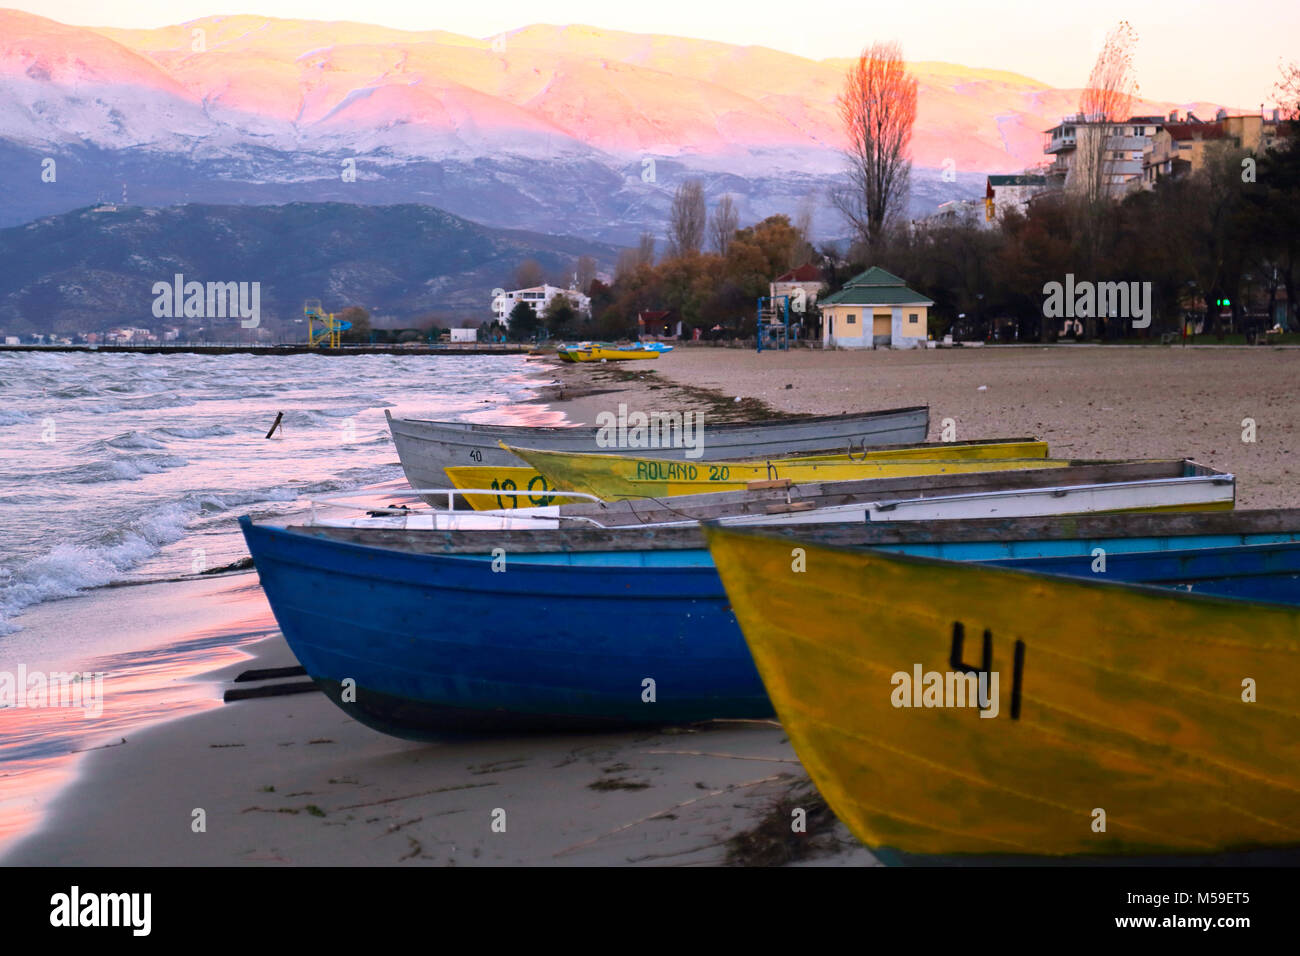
x=122, y=466
x=119, y=469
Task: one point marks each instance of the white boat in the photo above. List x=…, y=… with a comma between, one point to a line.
x=1172, y=485
x=1196, y=493
x=425, y=448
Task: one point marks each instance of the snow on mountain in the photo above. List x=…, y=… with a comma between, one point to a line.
x=546, y=126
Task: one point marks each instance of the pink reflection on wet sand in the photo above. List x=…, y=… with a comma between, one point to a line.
x=40, y=746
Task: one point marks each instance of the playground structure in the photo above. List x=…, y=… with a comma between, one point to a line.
x=331, y=327
x=775, y=320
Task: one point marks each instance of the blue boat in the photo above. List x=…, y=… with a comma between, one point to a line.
x=421, y=633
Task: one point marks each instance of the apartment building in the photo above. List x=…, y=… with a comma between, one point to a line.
x=1181, y=146
x=1126, y=144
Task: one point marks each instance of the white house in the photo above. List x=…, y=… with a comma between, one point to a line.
x=875, y=310
x=538, y=298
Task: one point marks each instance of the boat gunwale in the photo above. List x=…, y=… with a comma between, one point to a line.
x=1018, y=575
x=1171, y=524
x=791, y=420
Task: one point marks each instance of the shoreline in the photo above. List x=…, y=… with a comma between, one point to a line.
x=295, y=781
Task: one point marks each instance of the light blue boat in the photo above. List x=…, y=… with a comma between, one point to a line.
x=434, y=632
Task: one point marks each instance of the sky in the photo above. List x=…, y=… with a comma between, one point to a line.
x=1225, y=51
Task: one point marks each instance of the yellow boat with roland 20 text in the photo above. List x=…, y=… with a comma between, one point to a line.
x=620, y=477
x=523, y=487
x=953, y=712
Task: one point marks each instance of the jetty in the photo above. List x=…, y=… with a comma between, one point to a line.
x=298, y=348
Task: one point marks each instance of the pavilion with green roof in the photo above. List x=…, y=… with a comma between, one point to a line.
x=875, y=310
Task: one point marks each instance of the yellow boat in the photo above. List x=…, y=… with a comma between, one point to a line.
x=1127, y=721
x=966, y=451
x=522, y=487
x=605, y=353
x=619, y=477
x=513, y=487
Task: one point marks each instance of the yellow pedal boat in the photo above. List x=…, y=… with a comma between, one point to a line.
x=605, y=353
x=1121, y=721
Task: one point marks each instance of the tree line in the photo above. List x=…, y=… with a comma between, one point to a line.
x=1218, y=245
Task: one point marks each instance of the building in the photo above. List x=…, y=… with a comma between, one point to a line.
x=956, y=212
x=875, y=310
x=1126, y=144
x=538, y=298
x=803, y=284
x=1180, y=147
x=126, y=335
x=657, y=325
x=1002, y=193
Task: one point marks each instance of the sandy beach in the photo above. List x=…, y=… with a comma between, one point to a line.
x=293, y=780
x=1086, y=401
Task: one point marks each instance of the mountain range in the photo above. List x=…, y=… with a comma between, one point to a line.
x=86, y=270
x=556, y=129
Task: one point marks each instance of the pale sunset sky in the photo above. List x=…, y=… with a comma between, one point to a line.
x=1226, y=51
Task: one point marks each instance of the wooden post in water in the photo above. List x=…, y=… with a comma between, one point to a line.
x=275, y=425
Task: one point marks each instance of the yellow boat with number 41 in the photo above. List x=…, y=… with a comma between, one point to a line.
x=619, y=477
x=953, y=712
x=524, y=487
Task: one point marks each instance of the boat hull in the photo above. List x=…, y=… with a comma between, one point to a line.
x=525, y=487
x=440, y=643
x=426, y=448
x=437, y=644
x=620, y=477
x=1121, y=729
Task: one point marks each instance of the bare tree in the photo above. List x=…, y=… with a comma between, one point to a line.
x=878, y=109
x=1105, y=102
x=584, y=272
x=626, y=264
x=641, y=256
x=1287, y=91
x=803, y=250
x=529, y=273
x=687, y=220
x=723, y=225
x=645, y=250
